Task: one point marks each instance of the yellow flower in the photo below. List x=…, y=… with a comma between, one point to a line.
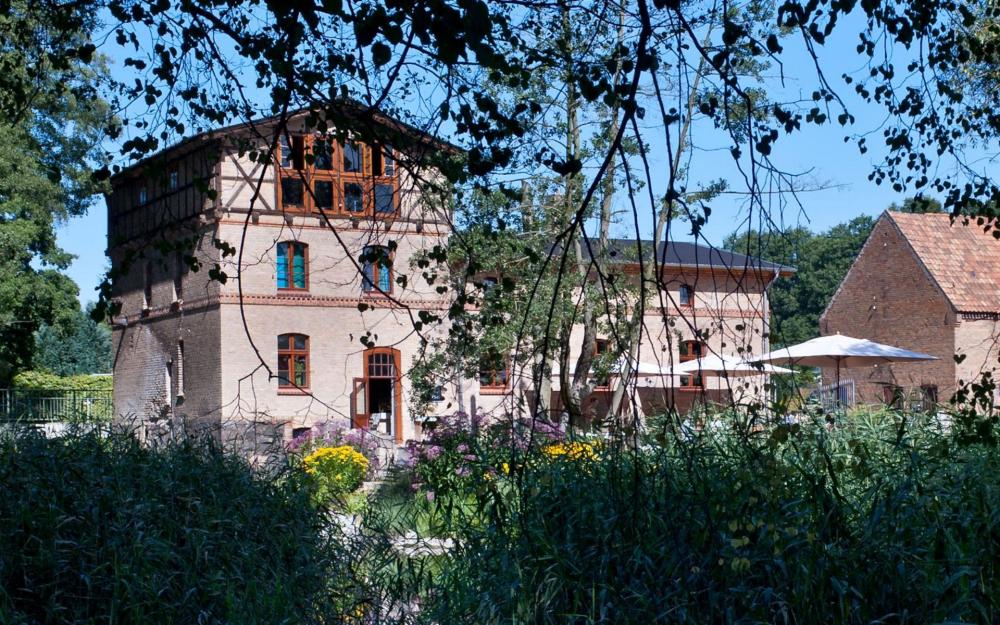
x=342, y=454
x=576, y=450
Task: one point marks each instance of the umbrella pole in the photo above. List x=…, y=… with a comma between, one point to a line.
x=837, y=391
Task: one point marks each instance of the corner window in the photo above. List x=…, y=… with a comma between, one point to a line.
x=685, y=296
x=493, y=372
x=376, y=269
x=292, y=269
x=293, y=361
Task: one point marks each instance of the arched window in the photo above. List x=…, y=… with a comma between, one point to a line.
x=376, y=269
x=293, y=266
x=293, y=361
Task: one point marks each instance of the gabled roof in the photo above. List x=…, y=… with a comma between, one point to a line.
x=692, y=255
x=962, y=258
x=350, y=108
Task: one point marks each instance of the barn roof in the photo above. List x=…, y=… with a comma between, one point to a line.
x=963, y=258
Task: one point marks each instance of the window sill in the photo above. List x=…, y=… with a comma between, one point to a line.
x=493, y=390
x=293, y=292
x=294, y=391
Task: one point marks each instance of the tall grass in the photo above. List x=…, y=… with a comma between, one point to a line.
x=100, y=529
x=881, y=520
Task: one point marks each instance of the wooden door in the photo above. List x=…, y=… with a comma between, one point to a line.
x=359, y=405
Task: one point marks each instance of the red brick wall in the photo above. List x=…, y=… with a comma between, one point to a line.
x=888, y=297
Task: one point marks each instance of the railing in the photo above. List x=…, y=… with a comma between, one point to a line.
x=831, y=397
x=48, y=405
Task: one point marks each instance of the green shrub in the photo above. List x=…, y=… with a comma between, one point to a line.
x=335, y=472
x=44, y=381
x=104, y=530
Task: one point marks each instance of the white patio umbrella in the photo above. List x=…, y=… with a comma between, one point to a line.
x=727, y=366
x=837, y=350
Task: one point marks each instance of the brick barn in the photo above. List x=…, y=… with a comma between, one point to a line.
x=922, y=283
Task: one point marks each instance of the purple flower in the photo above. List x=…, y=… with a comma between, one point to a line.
x=430, y=495
x=432, y=452
x=416, y=486
x=471, y=457
x=462, y=448
x=462, y=471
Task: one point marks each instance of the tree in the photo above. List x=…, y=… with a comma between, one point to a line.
x=917, y=204
x=821, y=260
x=84, y=347
x=49, y=144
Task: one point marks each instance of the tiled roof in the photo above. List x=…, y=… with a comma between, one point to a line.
x=963, y=259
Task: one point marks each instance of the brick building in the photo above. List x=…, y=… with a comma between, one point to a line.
x=312, y=249
x=925, y=284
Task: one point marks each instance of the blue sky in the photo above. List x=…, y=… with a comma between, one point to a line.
x=819, y=152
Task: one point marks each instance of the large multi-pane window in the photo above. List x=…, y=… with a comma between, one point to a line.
x=376, y=269
x=318, y=174
x=292, y=269
x=293, y=361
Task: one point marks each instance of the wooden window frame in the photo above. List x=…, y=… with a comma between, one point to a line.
x=493, y=388
x=694, y=381
x=290, y=266
x=308, y=175
x=376, y=270
x=286, y=386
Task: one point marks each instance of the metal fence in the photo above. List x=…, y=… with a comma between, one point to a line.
x=42, y=405
x=831, y=397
